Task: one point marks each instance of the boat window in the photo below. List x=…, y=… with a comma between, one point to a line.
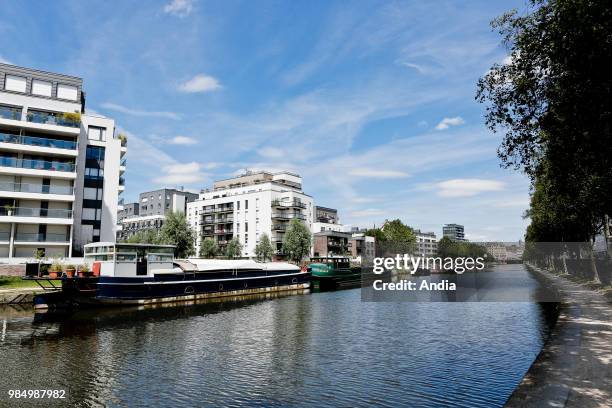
x=126, y=258
x=159, y=258
x=101, y=257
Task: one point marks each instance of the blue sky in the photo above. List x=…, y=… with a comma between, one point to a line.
x=371, y=102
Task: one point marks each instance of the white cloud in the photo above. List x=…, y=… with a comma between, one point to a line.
x=179, y=8
x=183, y=140
x=271, y=152
x=134, y=112
x=374, y=173
x=370, y=212
x=5, y=61
x=179, y=173
x=467, y=187
x=200, y=83
x=448, y=122
x=418, y=68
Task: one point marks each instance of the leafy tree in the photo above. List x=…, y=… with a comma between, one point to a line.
x=552, y=102
x=297, y=241
x=144, y=237
x=398, y=237
x=377, y=233
x=263, y=249
x=233, y=249
x=208, y=248
x=176, y=231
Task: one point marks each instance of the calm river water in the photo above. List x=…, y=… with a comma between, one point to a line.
x=320, y=349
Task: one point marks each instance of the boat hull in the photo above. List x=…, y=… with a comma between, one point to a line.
x=142, y=291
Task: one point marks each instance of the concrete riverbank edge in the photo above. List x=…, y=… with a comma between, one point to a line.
x=19, y=296
x=574, y=368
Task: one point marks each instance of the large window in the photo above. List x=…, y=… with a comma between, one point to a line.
x=96, y=133
x=67, y=92
x=42, y=88
x=15, y=83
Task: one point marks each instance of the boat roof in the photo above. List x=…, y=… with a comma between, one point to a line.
x=124, y=244
x=239, y=264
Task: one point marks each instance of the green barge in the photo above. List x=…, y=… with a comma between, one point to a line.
x=333, y=272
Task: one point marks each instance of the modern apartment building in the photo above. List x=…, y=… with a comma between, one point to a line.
x=249, y=205
x=426, y=243
x=149, y=213
x=331, y=243
x=60, y=168
x=362, y=247
x=326, y=215
x=454, y=232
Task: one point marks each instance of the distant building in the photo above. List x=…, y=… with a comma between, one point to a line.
x=330, y=243
x=454, y=232
x=326, y=215
x=426, y=243
x=362, y=247
x=150, y=211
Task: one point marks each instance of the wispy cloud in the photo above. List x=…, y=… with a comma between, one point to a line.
x=379, y=174
x=448, y=122
x=419, y=68
x=367, y=213
x=179, y=8
x=136, y=112
x=179, y=173
x=183, y=140
x=270, y=152
x=199, y=84
x=467, y=187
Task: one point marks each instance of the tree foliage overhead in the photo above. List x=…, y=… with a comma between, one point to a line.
x=458, y=249
x=233, y=249
x=552, y=101
x=297, y=241
x=208, y=248
x=176, y=231
x=264, y=249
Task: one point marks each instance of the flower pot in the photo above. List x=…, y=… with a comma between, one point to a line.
x=70, y=273
x=83, y=274
x=52, y=274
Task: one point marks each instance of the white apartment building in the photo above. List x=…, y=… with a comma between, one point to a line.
x=60, y=169
x=426, y=243
x=249, y=205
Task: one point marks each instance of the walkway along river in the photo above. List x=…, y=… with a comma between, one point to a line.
x=320, y=349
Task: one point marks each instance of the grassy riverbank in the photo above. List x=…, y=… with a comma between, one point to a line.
x=15, y=282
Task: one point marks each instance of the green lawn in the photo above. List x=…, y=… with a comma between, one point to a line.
x=15, y=282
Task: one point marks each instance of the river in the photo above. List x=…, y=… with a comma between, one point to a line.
x=319, y=349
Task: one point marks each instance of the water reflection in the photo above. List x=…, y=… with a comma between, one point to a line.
x=307, y=350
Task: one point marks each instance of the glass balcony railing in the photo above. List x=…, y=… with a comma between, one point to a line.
x=35, y=188
x=36, y=164
x=35, y=212
x=37, y=141
x=5, y=236
x=9, y=112
x=38, y=237
x=54, y=118
x=121, y=181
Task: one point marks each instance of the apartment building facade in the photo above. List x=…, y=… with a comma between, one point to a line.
x=249, y=205
x=60, y=168
x=426, y=243
x=149, y=213
x=455, y=232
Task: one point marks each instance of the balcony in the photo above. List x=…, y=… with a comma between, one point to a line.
x=283, y=216
x=222, y=209
x=288, y=204
x=9, y=112
x=225, y=220
x=35, y=212
x=54, y=118
x=36, y=188
x=5, y=236
x=36, y=164
x=279, y=227
x=208, y=221
x=38, y=237
x=224, y=231
x=37, y=141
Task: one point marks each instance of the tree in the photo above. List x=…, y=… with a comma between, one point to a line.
x=144, y=237
x=398, y=237
x=176, y=231
x=377, y=233
x=263, y=249
x=297, y=241
x=552, y=102
x=208, y=248
x=233, y=249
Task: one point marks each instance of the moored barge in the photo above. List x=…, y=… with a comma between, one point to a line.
x=140, y=274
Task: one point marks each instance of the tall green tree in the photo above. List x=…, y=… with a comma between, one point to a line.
x=263, y=249
x=551, y=100
x=233, y=249
x=176, y=231
x=398, y=237
x=208, y=248
x=144, y=237
x=297, y=241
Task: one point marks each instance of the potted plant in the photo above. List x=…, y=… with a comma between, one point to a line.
x=55, y=269
x=9, y=208
x=83, y=270
x=71, y=118
x=70, y=270
x=123, y=139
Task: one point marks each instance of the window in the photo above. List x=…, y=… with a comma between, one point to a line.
x=246, y=204
x=246, y=227
x=67, y=92
x=15, y=83
x=238, y=205
x=89, y=213
x=42, y=88
x=96, y=133
x=92, y=193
